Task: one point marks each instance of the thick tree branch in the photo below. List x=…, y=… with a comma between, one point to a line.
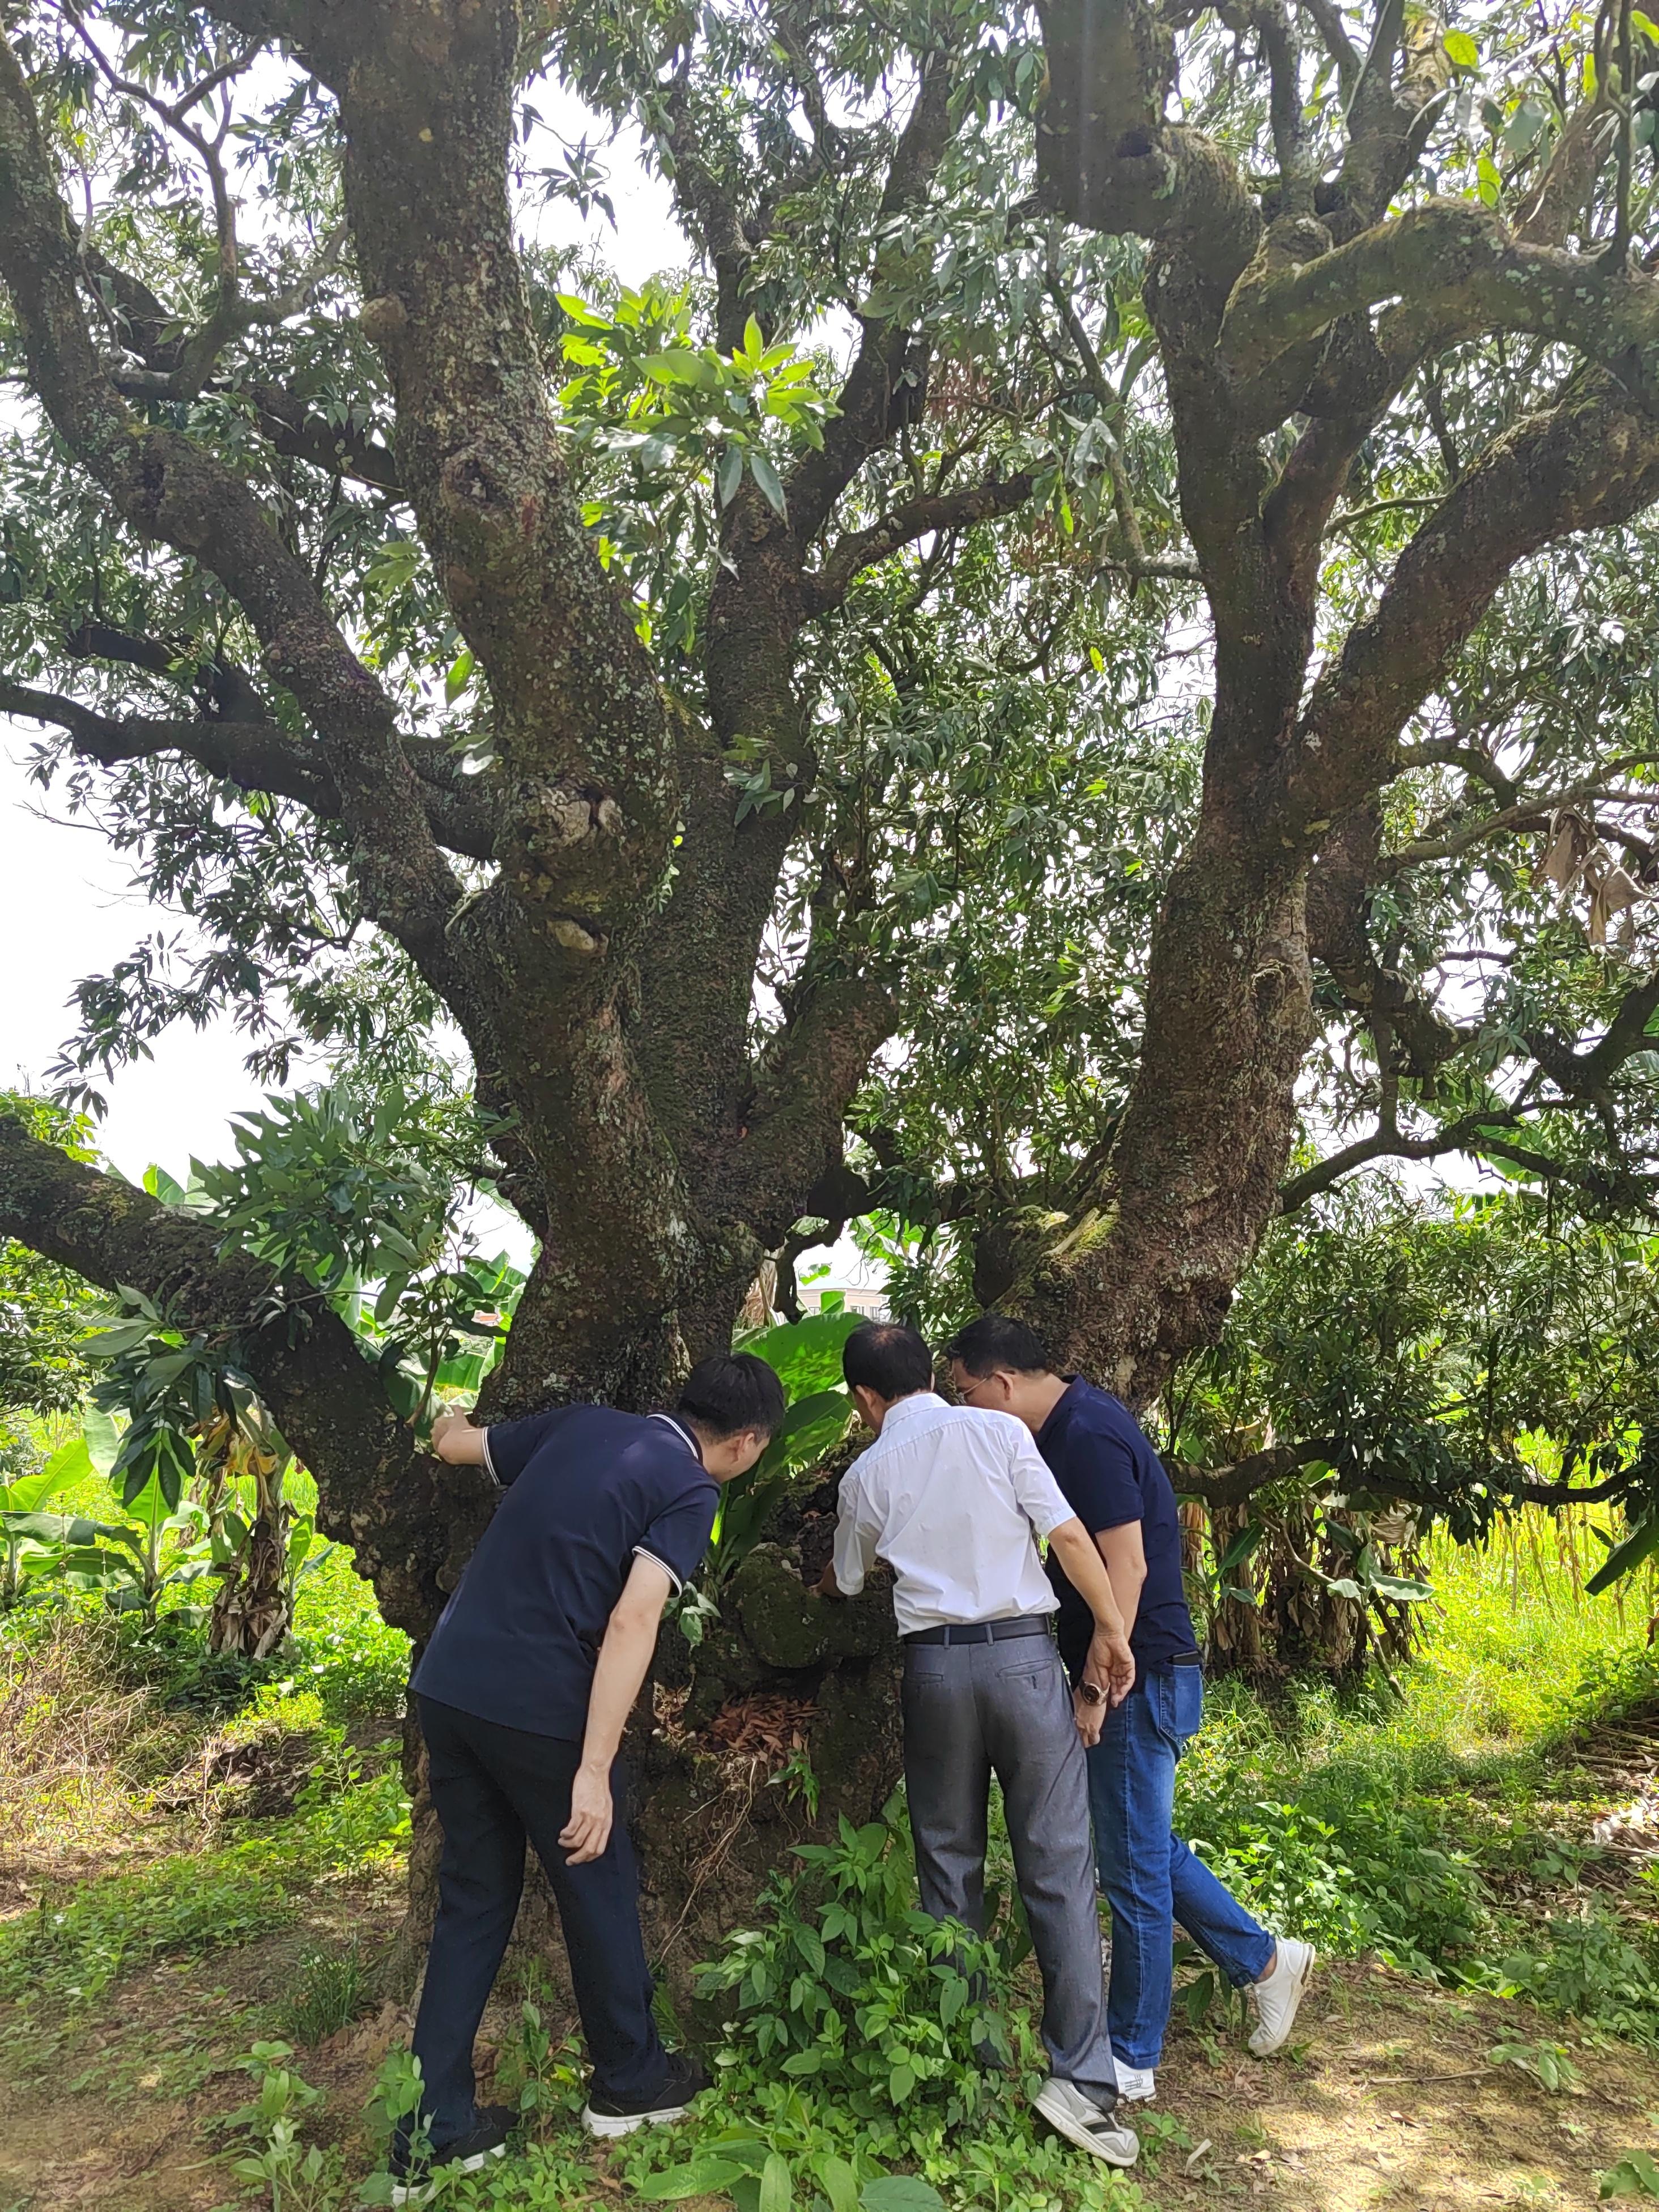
x=402, y=1513
x=1458, y=258
x=866, y=396
x=1591, y=461
x=1237, y=1483
x=804, y=1084
x=426, y=107
x=1105, y=154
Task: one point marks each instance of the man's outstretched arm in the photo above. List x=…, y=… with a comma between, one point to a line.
x=630, y=1637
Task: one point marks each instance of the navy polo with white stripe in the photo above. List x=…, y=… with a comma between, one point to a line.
x=587, y=1490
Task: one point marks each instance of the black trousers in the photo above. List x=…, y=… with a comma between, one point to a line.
x=491, y=1788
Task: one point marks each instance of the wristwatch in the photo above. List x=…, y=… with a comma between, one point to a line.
x=1092, y=1693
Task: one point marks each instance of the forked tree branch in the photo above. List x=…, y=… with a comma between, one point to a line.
x=1458, y=258
x=918, y=518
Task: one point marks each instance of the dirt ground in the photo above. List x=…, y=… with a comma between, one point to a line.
x=1389, y=2099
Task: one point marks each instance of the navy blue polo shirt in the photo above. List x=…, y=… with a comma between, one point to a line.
x=587, y=1490
x=1110, y=1475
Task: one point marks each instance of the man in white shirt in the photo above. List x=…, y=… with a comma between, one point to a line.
x=955, y=1501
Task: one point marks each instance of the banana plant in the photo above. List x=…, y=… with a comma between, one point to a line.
x=34, y=1540
x=132, y=1563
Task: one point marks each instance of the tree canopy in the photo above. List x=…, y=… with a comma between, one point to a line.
x=1072, y=674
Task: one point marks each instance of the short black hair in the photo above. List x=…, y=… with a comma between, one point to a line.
x=734, y=1390
x=994, y=1341
x=885, y=1357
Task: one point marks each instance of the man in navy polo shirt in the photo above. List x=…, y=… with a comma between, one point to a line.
x=525, y=1689
x=1116, y=1485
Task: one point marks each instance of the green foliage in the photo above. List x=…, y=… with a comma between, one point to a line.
x=848, y=1980
x=291, y=2176
x=1594, y=1966
x=1636, y=2174
x=805, y=1356
x=356, y=1664
x=1546, y=2063
x=362, y=1195
x=685, y=420
x=1454, y=1346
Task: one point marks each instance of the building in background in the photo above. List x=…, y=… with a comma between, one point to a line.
x=859, y=1298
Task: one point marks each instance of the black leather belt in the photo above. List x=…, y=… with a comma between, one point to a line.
x=983, y=1631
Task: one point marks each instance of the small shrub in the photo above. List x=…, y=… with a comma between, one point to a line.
x=847, y=1981
x=1587, y=1967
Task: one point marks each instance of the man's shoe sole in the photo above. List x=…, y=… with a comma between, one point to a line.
x=417, y=2192
x=610, y=2125
x=1117, y=2146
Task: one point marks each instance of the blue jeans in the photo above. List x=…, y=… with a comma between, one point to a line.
x=1147, y=1874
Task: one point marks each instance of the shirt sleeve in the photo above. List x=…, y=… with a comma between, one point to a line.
x=678, y=1537
x=1041, y=1498
x=855, y=1537
x=508, y=1445
x=1101, y=1481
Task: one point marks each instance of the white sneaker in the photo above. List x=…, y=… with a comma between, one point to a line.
x=1136, y=2084
x=1080, y=2120
x=1276, y=1997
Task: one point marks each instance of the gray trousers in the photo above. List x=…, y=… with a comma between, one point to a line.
x=976, y=1710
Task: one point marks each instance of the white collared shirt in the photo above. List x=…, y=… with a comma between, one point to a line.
x=954, y=1500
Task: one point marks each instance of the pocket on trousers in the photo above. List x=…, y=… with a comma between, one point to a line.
x=1175, y=1704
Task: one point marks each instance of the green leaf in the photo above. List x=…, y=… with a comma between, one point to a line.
x=900, y=2192
x=459, y=676
x=1461, y=50
x=768, y=480
x=1635, y=2175
x=1520, y=132
x=806, y=1355
x=900, y=2081
x=840, y=2183
x=102, y=1440
x=1638, y=1545
x=729, y=474
x=681, y=366
x=1401, y=1589
x=1490, y=187
x=777, y=2192
x=1240, y=1548
x=703, y=2177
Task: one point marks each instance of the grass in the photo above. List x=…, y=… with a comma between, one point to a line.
x=1444, y=1831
